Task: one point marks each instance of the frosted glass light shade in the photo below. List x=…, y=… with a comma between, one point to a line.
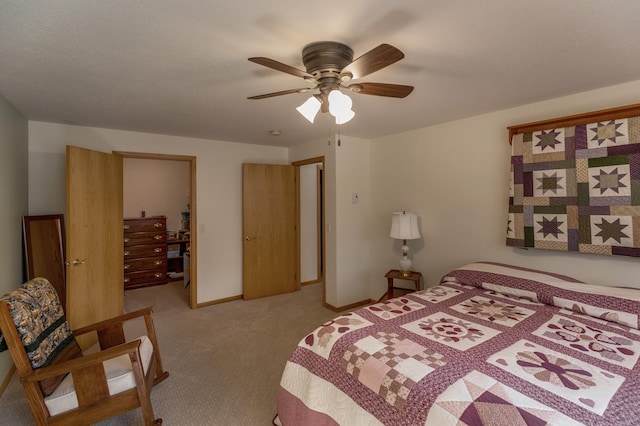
x=338, y=102
x=345, y=117
x=404, y=226
x=340, y=106
x=310, y=108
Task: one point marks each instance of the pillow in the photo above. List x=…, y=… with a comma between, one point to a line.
x=616, y=304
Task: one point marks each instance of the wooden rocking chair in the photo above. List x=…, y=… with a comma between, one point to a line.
x=117, y=378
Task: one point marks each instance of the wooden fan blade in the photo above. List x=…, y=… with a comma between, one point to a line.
x=374, y=60
x=279, y=66
x=284, y=92
x=382, y=89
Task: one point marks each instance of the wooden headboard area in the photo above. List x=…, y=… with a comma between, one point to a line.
x=575, y=120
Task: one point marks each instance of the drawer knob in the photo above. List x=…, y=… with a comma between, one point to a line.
x=157, y=274
x=126, y=266
x=127, y=252
x=127, y=279
x=126, y=240
x=157, y=250
x=158, y=224
x=126, y=226
x=158, y=262
x=157, y=237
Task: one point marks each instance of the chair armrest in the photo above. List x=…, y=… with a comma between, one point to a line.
x=108, y=323
x=84, y=361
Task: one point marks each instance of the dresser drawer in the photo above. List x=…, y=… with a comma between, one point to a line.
x=148, y=250
x=137, y=238
x=145, y=251
x=144, y=225
x=144, y=278
x=145, y=264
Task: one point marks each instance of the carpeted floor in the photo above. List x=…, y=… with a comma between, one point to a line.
x=225, y=361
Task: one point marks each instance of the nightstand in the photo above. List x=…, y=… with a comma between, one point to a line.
x=395, y=274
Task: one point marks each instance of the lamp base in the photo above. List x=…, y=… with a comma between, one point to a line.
x=405, y=265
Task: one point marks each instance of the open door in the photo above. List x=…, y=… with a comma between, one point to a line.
x=270, y=263
x=95, y=289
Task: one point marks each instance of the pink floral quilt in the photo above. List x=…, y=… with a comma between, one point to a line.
x=493, y=344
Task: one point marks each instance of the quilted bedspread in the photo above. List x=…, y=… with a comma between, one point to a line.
x=491, y=345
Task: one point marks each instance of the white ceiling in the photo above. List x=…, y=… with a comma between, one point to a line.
x=181, y=68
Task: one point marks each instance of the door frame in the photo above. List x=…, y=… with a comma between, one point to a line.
x=193, y=243
x=321, y=220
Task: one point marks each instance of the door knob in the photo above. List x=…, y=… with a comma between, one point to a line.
x=248, y=238
x=76, y=262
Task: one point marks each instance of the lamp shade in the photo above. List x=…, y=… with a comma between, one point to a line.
x=338, y=102
x=340, y=106
x=345, y=116
x=310, y=108
x=404, y=226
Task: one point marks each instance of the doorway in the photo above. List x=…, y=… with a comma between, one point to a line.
x=188, y=200
x=311, y=220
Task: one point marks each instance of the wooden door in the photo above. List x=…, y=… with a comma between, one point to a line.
x=270, y=263
x=95, y=289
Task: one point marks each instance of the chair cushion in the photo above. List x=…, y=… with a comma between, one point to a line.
x=42, y=326
x=119, y=379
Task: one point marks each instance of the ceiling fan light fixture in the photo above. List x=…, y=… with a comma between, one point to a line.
x=309, y=109
x=345, y=117
x=329, y=66
x=340, y=106
x=338, y=102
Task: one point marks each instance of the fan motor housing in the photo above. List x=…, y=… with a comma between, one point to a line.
x=326, y=57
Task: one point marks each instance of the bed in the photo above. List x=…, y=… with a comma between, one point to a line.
x=492, y=344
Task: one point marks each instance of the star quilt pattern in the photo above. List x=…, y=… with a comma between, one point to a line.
x=577, y=189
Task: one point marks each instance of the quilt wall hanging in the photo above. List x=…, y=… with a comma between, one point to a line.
x=575, y=183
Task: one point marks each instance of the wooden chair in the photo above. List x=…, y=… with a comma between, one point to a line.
x=114, y=379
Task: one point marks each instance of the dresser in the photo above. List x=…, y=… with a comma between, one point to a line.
x=145, y=251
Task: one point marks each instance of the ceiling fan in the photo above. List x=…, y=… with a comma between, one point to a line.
x=330, y=67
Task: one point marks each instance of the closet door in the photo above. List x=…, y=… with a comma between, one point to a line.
x=271, y=238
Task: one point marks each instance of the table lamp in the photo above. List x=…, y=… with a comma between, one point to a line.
x=404, y=226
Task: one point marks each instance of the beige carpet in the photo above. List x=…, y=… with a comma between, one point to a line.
x=225, y=361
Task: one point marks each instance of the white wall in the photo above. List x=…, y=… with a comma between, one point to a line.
x=218, y=182
x=13, y=193
x=157, y=187
x=346, y=224
x=455, y=177
x=353, y=220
